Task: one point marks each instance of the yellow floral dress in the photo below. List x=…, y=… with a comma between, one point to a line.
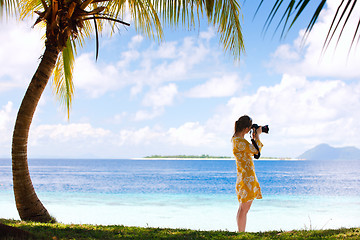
x=247, y=185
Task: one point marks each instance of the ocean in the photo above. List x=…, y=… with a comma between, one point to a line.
x=194, y=194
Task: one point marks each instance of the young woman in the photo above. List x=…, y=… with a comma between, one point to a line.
x=247, y=185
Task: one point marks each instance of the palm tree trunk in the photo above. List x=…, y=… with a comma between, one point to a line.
x=27, y=203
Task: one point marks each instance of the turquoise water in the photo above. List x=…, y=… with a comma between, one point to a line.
x=191, y=194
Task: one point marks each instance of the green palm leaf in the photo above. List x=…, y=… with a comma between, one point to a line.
x=223, y=14
x=68, y=24
x=295, y=8
x=147, y=17
x=8, y=7
x=226, y=15
x=63, y=85
x=142, y=12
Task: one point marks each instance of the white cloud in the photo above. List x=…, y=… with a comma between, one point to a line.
x=7, y=119
x=301, y=114
x=60, y=133
x=127, y=57
x=170, y=62
x=192, y=134
x=135, y=41
x=142, y=115
x=157, y=99
x=6, y=115
x=189, y=134
x=140, y=137
x=118, y=118
x=225, y=86
x=96, y=78
x=304, y=113
x=139, y=66
x=286, y=52
x=21, y=48
x=209, y=34
x=167, y=50
x=77, y=140
x=132, y=54
x=308, y=61
x=160, y=97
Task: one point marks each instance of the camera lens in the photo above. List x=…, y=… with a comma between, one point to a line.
x=265, y=129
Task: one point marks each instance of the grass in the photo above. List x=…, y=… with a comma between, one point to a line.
x=57, y=231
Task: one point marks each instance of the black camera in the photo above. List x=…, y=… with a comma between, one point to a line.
x=265, y=129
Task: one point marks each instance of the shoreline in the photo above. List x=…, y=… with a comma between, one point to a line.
x=171, y=211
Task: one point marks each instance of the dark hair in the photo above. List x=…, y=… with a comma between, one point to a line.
x=242, y=123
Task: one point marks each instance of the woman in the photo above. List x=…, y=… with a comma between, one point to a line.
x=247, y=185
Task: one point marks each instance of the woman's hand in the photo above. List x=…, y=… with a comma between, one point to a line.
x=257, y=133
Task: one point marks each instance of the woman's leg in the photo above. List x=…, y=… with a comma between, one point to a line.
x=241, y=215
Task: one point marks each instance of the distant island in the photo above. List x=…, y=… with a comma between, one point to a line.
x=327, y=152
x=322, y=152
x=206, y=156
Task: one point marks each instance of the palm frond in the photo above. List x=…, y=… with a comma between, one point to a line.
x=225, y=15
x=63, y=86
x=314, y=18
x=9, y=7
x=272, y=14
x=97, y=39
x=340, y=18
x=143, y=14
x=295, y=8
x=69, y=23
x=29, y=7
x=353, y=40
x=182, y=11
x=258, y=8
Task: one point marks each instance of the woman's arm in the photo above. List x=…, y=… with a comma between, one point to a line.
x=256, y=137
x=252, y=148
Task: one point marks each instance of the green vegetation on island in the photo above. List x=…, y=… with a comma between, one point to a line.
x=60, y=231
x=187, y=156
x=206, y=156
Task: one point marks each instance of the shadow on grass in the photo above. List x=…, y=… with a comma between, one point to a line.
x=9, y=232
x=61, y=231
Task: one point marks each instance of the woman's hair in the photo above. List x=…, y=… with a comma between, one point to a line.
x=242, y=123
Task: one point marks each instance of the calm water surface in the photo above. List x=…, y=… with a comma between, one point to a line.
x=165, y=193
x=187, y=176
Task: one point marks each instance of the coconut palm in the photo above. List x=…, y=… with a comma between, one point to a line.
x=294, y=8
x=68, y=23
x=8, y=4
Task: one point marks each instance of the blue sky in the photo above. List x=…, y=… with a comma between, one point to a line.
x=183, y=95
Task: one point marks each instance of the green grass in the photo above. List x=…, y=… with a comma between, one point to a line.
x=78, y=231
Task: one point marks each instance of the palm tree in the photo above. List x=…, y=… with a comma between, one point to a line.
x=294, y=8
x=68, y=23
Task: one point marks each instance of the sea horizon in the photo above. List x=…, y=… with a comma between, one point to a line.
x=191, y=194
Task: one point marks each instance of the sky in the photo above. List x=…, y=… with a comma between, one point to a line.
x=183, y=95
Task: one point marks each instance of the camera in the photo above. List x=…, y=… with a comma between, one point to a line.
x=265, y=129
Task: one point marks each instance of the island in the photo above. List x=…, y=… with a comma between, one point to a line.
x=325, y=152
x=207, y=156
x=203, y=156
